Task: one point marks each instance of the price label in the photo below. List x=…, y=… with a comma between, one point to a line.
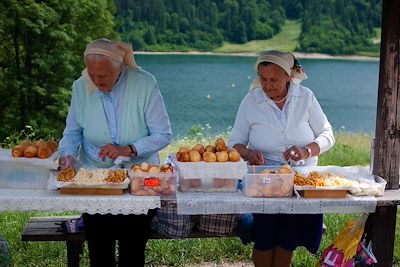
x=151, y=181
x=266, y=181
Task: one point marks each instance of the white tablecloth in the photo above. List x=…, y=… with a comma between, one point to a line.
x=229, y=203
x=187, y=203
x=53, y=201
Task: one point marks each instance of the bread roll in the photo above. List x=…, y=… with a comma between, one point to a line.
x=194, y=183
x=154, y=169
x=25, y=143
x=53, y=145
x=194, y=156
x=145, y=166
x=18, y=151
x=185, y=149
x=285, y=169
x=135, y=167
x=233, y=155
x=220, y=145
x=43, y=151
x=231, y=182
x=217, y=182
x=222, y=156
x=166, y=167
x=210, y=148
x=38, y=143
x=209, y=157
x=30, y=151
x=183, y=156
x=200, y=148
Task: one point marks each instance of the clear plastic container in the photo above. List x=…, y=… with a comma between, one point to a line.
x=210, y=177
x=153, y=184
x=263, y=181
x=23, y=176
x=208, y=184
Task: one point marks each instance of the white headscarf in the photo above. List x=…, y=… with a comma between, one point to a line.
x=119, y=51
x=286, y=60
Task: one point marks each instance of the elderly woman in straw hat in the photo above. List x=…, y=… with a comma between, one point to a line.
x=116, y=111
x=279, y=122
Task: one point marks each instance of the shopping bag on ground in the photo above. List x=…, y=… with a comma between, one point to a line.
x=364, y=256
x=343, y=249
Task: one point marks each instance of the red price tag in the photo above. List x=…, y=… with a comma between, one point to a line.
x=151, y=181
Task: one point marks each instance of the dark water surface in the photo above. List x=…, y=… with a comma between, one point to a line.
x=205, y=89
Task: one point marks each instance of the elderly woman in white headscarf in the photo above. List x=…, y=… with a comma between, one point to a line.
x=116, y=111
x=279, y=122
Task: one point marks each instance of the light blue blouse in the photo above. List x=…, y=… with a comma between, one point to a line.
x=156, y=118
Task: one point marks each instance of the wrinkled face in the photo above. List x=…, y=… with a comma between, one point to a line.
x=273, y=80
x=103, y=73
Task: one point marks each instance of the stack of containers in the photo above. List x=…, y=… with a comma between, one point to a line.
x=25, y=173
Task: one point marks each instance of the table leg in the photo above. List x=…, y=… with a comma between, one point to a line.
x=74, y=250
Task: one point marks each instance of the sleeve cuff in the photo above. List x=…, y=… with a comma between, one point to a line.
x=323, y=143
x=140, y=150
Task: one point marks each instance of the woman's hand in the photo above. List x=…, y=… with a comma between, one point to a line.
x=255, y=157
x=67, y=161
x=295, y=153
x=113, y=151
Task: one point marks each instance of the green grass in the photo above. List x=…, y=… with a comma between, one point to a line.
x=286, y=40
x=350, y=149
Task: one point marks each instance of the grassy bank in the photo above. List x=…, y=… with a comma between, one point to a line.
x=285, y=40
x=351, y=149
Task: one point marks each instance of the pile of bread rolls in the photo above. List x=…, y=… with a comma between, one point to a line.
x=152, y=180
x=210, y=153
x=40, y=149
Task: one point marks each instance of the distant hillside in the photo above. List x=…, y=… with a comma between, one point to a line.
x=286, y=39
x=333, y=27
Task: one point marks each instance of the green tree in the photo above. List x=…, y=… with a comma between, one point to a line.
x=149, y=36
x=40, y=56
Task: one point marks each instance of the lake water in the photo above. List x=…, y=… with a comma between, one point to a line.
x=205, y=89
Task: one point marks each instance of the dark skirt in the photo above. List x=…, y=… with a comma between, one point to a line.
x=131, y=231
x=288, y=231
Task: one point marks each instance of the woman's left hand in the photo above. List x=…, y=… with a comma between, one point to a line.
x=295, y=153
x=113, y=151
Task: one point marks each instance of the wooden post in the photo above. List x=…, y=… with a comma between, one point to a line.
x=387, y=132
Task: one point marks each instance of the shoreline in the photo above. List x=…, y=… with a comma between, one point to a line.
x=251, y=54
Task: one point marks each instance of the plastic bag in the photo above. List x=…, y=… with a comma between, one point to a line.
x=333, y=257
x=342, y=252
x=364, y=256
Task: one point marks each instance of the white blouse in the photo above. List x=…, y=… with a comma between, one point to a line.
x=261, y=125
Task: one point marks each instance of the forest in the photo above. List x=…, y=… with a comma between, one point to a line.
x=43, y=41
x=328, y=26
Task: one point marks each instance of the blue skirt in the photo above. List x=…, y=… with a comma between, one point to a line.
x=288, y=231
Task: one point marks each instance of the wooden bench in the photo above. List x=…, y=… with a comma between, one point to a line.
x=50, y=229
